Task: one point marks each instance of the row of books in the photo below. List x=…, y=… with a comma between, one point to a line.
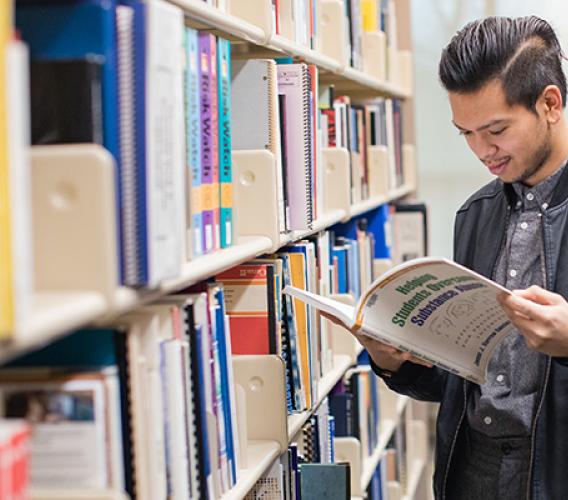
x=297, y=20
x=358, y=127
x=160, y=104
x=307, y=470
x=153, y=399
x=147, y=407
x=354, y=403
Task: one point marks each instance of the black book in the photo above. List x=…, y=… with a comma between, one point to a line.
x=66, y=101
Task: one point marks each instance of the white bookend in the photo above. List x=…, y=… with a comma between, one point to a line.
x=263, y=379
x=254, y=186
x=334, y=40
x=74, y=214
x=258, y=13
x=375, y=55
x=337, y=180
x=409, y=166
x=348, y=449
x=379, y=173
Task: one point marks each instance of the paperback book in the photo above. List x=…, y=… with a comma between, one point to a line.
x=435, y=309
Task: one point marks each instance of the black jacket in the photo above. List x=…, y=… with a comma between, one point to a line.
x=479, y=232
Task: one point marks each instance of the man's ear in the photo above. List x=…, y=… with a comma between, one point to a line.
x=551, y=103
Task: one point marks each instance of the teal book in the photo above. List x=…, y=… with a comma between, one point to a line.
x=329, y=481
x=225, y=164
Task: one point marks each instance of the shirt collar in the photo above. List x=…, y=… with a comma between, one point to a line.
x=541, y=192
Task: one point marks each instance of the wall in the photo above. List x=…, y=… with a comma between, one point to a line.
x=448, y=170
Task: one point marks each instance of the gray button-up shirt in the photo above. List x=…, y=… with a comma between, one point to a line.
x=505, y=405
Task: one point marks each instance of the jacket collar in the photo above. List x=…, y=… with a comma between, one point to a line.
x=560, y=191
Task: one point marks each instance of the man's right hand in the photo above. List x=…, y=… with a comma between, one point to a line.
x=383, y=355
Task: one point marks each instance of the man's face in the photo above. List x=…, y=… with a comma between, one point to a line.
x=511, y=141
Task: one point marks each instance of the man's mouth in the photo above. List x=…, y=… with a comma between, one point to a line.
x=498, y=167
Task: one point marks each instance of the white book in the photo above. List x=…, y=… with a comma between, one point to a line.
x=177, y=419
x=165, y=140
x=293, y=83
x=439, y=311
x=70, y=430
x=19, y=126
x=147, y=403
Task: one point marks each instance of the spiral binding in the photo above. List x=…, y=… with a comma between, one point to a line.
x=307, y=126
x=127, y=138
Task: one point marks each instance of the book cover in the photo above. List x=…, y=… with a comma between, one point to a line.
x=66, y=100
x=441, y=312
x=165, y=133
x=330, y=481
x=251, y=308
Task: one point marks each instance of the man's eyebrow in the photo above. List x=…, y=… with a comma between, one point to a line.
x=483, y=127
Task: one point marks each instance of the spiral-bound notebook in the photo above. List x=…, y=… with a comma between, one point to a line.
x=294, y=83
x=255, y=122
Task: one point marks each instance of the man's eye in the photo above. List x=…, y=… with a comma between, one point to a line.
x=464, y=132
x=497, y=132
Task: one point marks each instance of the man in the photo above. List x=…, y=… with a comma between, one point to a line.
x=507, y=439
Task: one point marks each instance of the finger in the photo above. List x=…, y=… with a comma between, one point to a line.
x=406, y=356
x=539, y=295
x=525, y=307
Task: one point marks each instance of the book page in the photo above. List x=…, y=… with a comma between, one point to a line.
x=441, y=312
x=344, y=312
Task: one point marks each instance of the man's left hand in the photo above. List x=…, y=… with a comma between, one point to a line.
x=541, y=317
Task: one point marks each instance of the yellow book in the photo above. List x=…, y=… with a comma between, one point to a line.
x=370, y=15
x=6, y=277
x=298, y=278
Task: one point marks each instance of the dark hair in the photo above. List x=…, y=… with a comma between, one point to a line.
x=523, y=53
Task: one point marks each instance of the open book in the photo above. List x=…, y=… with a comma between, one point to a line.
x=437, y=310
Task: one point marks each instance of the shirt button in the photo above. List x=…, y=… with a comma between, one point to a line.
x=500, y=378
x=518, y=204
x=487, y=420
x=524, y=225
x=544, y=206
x=512, y=273
x=506, y=448
x=530, y=196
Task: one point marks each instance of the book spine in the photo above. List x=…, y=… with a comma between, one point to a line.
x=6, y=283
x=207, y=146
x=194, y=143
x=225, y=164
x=215, y=136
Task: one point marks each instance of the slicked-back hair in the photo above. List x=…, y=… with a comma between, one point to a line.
x=523, y=53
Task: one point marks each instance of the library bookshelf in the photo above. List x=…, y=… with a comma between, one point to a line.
x=65, y=299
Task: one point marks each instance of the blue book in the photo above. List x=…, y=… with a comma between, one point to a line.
x=135, y=227
x=225, y=163
x=378, y=222
x=340, y=253
x=75, y=30
x=193, y=117
x=224, y=359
